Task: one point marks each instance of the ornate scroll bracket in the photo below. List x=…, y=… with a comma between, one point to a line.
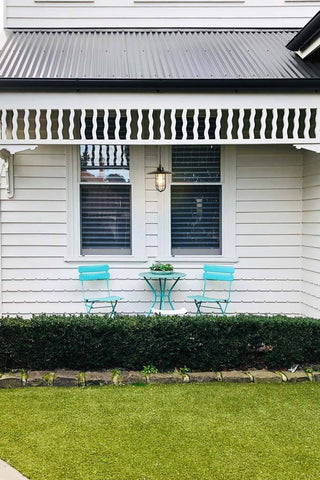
x=7, y=153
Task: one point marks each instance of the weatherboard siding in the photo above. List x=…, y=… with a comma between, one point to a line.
x=34, y=232
x=37, y=278
x=268, y=238
x=311, y=236
x=158, y=14
x=152, y=224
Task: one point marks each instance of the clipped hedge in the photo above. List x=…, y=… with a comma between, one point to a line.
x=203, y=343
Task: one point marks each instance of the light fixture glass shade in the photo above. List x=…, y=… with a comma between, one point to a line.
x=160, y=181
x=160, y=178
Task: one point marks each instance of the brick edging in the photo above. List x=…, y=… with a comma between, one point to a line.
x=73, y=378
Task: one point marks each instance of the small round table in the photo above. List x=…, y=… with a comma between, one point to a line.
x=161, y=294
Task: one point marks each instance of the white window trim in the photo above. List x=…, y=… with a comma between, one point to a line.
x=190, y=1
x=137, y=180
x=228, y=213
x=64, y=1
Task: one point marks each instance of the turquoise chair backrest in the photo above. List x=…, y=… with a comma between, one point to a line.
x=222, y=273
x=218, y=272
x=94, y=272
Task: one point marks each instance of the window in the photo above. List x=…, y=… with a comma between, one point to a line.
x=105, y=200
x=114, y=213
x=196, y=200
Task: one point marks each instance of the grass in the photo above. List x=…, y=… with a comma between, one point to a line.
x=196, y=432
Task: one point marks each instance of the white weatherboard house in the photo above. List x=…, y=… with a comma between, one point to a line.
x=94, y=94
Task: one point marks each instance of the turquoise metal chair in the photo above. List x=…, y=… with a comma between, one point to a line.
x=92, y=273
x=218, y=273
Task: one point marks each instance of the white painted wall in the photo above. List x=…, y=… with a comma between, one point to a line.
x=311, y=235
x=2, y=10
x=36, y=278
x=269, y=182
x=159, y=13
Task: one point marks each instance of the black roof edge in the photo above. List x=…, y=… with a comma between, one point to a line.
x=160, y=84
x=305, y=34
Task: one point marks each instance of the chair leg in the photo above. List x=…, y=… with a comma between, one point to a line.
x=113, y=306
x=198, y=305
x=223, y=309
x=89, y=307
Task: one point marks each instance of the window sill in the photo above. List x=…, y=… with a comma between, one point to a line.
x=129, y=261
x=193, y=1
x=121, y=259
x=64, y=1
x=203, y=259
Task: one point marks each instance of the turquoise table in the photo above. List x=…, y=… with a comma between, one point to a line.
x=160, y=293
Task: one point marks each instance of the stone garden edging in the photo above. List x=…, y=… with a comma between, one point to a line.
x=72, y=378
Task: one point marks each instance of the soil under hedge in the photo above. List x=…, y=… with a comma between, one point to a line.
x=206, y=343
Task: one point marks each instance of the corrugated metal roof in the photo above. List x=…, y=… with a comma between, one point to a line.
x=153, y=55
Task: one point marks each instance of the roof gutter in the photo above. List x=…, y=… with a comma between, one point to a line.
x=159, y=84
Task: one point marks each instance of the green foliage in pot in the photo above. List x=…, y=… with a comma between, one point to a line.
x=161, y=267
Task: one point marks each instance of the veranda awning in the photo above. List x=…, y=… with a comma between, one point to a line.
x=171, y=58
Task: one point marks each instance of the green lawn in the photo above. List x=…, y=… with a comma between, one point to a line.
x=195, y=432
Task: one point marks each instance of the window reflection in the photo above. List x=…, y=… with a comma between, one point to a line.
x=105, y=163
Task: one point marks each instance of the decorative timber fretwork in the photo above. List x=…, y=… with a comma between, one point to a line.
x=160, y=126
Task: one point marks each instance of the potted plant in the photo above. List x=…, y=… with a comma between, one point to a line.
x=161, y=268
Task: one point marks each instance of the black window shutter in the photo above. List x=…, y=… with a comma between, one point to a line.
x=195, y=219
x=105, y=219
x=196, y=163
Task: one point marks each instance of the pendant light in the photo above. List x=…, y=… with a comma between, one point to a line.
x=160, y=179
